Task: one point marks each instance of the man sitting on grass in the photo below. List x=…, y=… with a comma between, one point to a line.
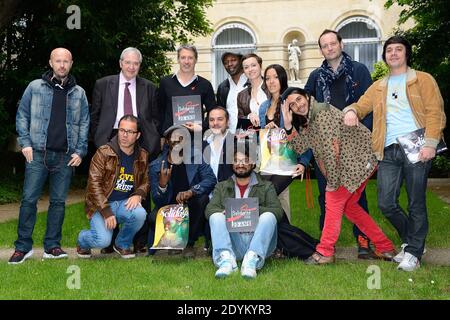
x=255, y=246
x=117, y=183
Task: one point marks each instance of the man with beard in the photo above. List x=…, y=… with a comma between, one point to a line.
x=228, y=90
x=251, y=247
x=175, y=177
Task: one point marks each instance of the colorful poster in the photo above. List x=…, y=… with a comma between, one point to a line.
x=172, y=227
x=276, y=153
x=186, y=109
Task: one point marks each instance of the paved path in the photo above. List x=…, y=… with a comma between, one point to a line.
x=439, y=257
x=10, y=211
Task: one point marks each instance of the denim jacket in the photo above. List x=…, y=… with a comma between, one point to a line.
x=200, y=176
x=33, y=117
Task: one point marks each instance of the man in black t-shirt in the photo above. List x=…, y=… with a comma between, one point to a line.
x=117, y=184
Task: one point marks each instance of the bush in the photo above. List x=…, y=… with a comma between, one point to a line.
x=380, y=69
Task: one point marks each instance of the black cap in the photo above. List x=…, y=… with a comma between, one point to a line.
x=229, y=53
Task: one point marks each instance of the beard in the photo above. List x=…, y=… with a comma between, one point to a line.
x=244, y=174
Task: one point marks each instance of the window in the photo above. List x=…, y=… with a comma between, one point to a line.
x=233, y=37
x=362, y=40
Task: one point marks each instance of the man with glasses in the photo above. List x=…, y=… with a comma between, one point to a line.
x=252, y=247
x=117, y=184
x=339, y=81
x=52, y=124
x=176, y=178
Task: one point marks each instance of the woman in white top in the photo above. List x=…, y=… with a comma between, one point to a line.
x=250, y=99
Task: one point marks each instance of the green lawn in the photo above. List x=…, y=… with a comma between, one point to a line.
x=174, y=278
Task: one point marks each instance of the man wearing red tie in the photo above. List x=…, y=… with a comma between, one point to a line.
x=125, y=93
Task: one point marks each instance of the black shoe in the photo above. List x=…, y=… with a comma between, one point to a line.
x=189, y=252
x=54, y=253
x=107, y=250
x=364, y=251
x=19, y=257
x=139, y=248
x=83, y=253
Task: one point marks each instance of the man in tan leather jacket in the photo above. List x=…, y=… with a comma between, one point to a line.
x=118, y=182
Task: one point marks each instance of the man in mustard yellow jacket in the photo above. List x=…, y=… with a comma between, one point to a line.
x=402, y=102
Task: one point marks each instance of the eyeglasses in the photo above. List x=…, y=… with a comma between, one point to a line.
x=242, y=161
x=123, y=131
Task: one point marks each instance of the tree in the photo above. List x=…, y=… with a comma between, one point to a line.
x=106, y=28
x=430, y=38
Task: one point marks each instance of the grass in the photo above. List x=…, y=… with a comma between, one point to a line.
x=174, y=278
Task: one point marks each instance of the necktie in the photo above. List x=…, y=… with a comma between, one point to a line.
x=127, y=105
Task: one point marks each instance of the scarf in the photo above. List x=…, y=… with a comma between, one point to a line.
x=327, y=76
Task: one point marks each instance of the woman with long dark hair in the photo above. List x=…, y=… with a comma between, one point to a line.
x=344, y=155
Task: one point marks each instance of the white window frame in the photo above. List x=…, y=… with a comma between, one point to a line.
x=234, y=25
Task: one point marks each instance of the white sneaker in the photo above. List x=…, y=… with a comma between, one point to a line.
x=399, y=257
x=227, y=265
x=409, y=263
x=248, y=268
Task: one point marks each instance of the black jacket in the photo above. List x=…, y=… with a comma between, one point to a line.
x=222, y=93
x=104, y=112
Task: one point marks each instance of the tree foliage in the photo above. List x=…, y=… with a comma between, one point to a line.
x=430, y=38
x=107, y=27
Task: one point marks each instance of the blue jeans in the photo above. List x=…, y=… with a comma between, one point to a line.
x=100, y=237
x=54, y=166
x=263, y=241
x=395, y=167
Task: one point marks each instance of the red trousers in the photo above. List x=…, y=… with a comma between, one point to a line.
x=341, y=202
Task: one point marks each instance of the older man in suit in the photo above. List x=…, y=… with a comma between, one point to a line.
x=126, y=93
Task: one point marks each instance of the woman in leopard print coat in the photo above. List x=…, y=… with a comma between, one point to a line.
x=344, y=155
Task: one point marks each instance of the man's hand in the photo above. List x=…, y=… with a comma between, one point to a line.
x=193, y=126
x=75, y=161
x=110, y=223
x=351, y=119
x=164, y=175
x=133, y=202
x=184, y=196
x=427, y=153
x=28, y=153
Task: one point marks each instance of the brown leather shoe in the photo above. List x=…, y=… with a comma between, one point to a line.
x=107, y=250
x=83, y=253
x=387, y=255
x=124, y=253
x=316, y=258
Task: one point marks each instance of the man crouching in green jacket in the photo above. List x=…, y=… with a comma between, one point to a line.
x=254, y=246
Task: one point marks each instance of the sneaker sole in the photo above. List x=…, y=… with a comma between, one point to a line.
x=25, y=257
x=128, y=256
x=50, y=256
x=84, y=256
